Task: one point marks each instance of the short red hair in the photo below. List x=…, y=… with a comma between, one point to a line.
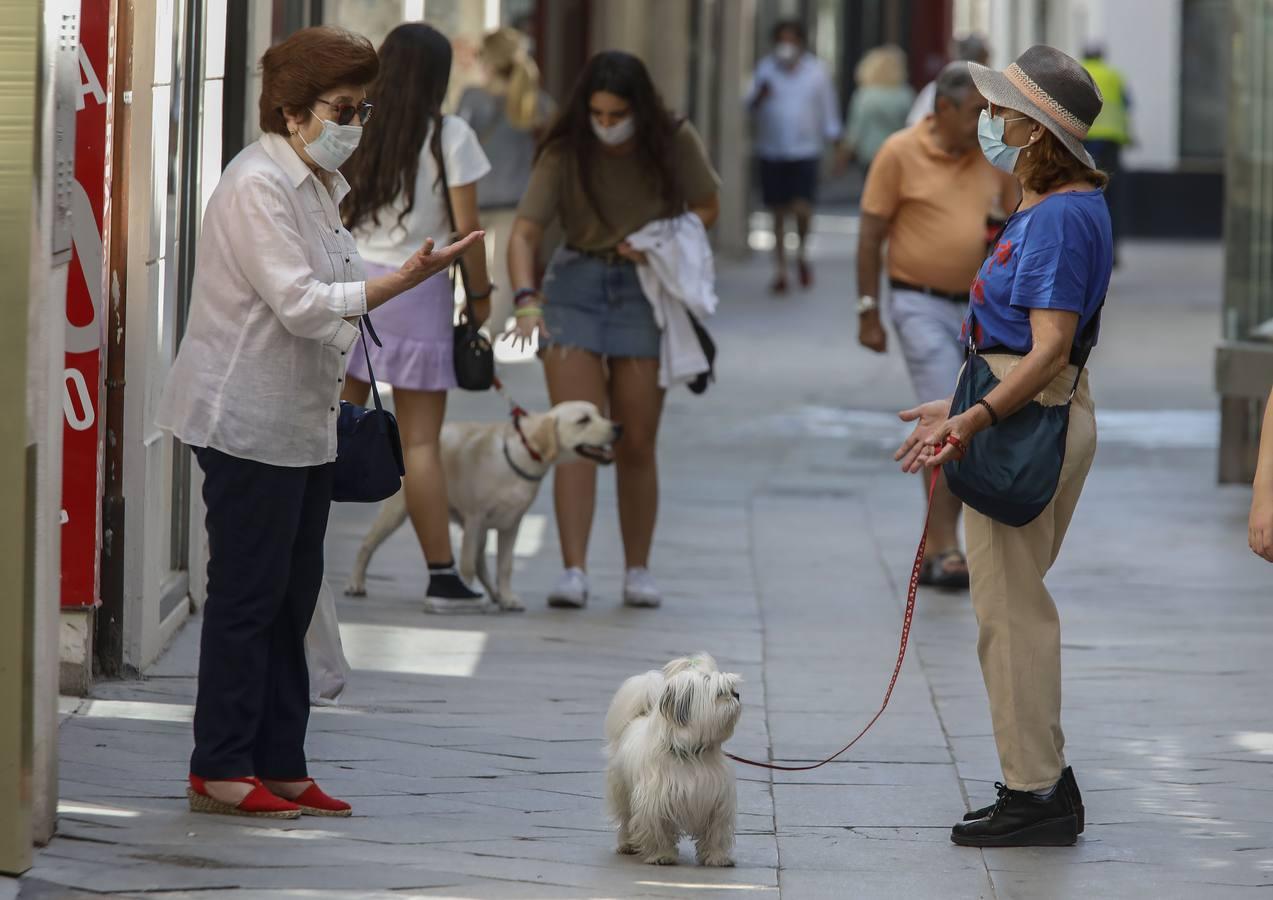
x=309, y=63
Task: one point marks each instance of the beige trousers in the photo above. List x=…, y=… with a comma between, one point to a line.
x=1019, y=639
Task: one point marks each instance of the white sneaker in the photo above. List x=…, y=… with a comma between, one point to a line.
x=571, y=591
x=639, y=589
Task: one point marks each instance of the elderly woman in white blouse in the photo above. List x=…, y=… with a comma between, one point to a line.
x=278, y=288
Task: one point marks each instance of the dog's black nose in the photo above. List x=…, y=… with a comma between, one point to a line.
x=618, y=431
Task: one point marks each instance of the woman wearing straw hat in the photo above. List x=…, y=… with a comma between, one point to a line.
x=1039, y=290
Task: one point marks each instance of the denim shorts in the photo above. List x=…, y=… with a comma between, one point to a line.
x=598, y=305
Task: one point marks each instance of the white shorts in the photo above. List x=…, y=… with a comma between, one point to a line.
x=928, y=329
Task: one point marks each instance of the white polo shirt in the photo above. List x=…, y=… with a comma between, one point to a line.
x=262, y=362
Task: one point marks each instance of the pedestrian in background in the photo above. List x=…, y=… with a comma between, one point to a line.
x=1110, y=133
x=615, y=160
x=972, y=48
x=795, y=115
x=399, y=200
x=1260, y=527
x=928, y=197
x=1034, y=298
x=253, y=390
x=507, y=111
x=879, y=105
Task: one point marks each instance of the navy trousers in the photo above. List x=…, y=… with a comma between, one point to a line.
x=266, y=526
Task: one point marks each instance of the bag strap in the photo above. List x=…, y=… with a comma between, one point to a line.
x=364, y=322
x=450, y=217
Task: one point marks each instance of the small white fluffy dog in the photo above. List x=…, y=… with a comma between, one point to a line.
x=666, y=774
x=492, y=478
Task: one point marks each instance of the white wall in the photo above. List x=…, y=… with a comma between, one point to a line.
x=1142, y=40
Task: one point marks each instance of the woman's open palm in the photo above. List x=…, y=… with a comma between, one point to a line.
x=427, y=262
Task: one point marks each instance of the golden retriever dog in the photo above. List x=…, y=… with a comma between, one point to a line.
x=493, y=473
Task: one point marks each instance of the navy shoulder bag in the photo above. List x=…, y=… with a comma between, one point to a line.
x=369, y=465
x=1010, y=472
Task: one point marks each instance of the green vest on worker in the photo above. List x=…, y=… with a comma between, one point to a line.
x=1111, y=124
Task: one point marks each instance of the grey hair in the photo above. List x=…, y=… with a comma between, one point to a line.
x=973, y=48
x=954, y=82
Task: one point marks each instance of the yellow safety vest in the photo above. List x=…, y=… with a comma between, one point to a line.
x=1111, y=124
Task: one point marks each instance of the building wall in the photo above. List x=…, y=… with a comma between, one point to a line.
x=51, y=259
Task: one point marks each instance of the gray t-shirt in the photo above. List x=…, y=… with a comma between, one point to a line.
x=511, y=150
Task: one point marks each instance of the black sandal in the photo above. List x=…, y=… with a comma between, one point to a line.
x=935, y=571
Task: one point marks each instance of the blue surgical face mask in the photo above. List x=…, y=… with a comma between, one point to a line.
x=990, y=136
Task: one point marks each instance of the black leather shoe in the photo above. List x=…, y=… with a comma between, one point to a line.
x=1020, y=819
x=1067, y=781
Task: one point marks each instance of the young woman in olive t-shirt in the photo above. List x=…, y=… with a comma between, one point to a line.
x=614, y=161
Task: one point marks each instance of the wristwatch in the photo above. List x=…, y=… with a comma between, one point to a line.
x=867, y=303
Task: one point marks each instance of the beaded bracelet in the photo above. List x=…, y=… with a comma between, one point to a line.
x=525, y=312
x=522, y=294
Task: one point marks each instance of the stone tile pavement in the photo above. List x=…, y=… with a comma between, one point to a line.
x=471, y=747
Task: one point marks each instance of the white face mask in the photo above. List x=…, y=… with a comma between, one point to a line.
x=334, y=146
x=786, y=52
x=615, y=134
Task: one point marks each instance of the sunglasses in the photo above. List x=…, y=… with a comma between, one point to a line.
x=345, y=112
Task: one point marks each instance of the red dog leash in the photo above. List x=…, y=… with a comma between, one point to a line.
x=911, y=593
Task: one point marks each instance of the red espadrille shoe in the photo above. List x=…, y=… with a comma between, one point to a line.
x=314, y=802
x=259, y=802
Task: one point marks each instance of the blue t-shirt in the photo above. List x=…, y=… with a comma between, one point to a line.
x=1056, y=255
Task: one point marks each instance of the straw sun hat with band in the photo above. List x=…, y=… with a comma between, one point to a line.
x=1049, y=87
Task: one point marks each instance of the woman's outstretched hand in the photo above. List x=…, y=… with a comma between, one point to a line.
x=931, y=428
x=427, y=262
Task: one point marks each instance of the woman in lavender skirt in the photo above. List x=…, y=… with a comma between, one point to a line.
x=397, y=202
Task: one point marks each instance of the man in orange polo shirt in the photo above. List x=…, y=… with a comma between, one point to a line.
x=929, y=194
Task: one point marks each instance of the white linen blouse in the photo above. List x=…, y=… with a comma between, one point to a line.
x=277, y=276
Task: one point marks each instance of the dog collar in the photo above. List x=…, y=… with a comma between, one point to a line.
x=518, y=414
x=521, y=473
x=681, y=753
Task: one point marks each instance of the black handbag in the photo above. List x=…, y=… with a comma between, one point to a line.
x=369, y=464
x=1011, y=471
x=474, y=357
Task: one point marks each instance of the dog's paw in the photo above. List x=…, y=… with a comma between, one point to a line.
x=355, y=589
x=511, y=603
x=716, y=860
x=626, y=849
x=663, y=859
